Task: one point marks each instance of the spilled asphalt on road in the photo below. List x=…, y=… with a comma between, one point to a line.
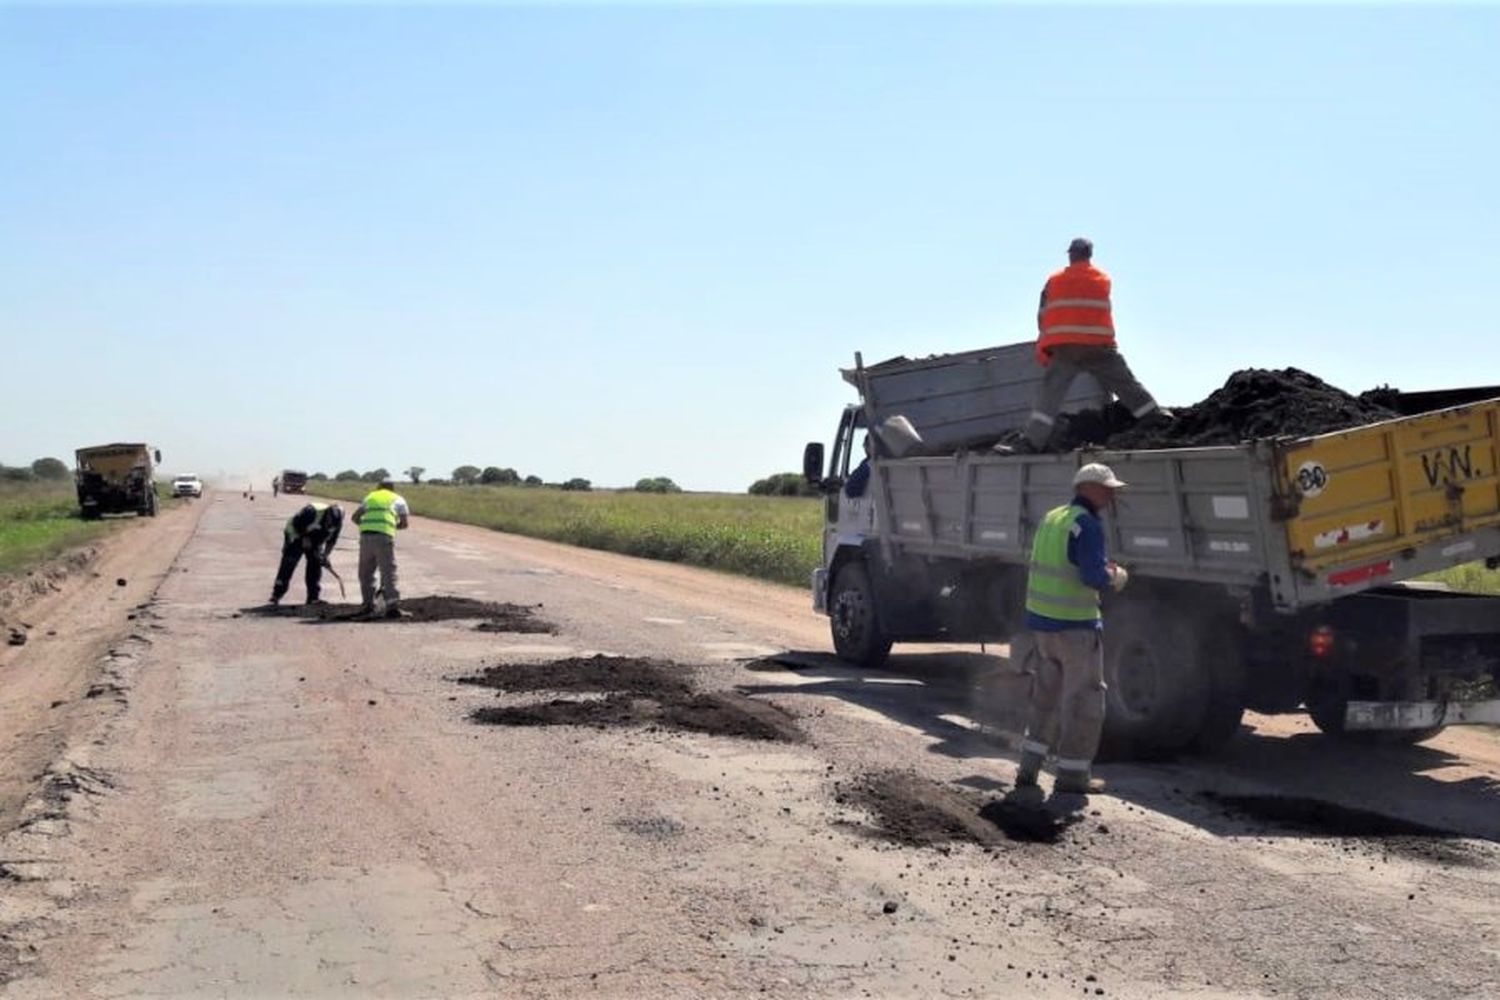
x=648, y=797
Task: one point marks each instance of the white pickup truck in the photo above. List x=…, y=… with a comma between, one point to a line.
x=187, y=485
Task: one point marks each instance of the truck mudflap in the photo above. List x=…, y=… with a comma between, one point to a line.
x=1373, y=715
x=820, y=590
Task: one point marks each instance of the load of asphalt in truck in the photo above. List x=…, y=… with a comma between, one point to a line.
x=1253, y=403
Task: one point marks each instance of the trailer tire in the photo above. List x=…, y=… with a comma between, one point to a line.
x=1327, y=710
x=1156, y=694
x=1224, y=711
x=854, y=618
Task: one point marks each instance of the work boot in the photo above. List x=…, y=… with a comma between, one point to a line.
x=393, y=611
x=1070, y=784
x=1021, y=447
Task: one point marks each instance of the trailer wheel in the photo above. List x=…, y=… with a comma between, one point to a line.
x=1224, y=662
x=1326, y=707
x=855, y=619
x=1156, y=693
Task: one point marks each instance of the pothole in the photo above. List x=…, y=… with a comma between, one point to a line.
x=918, y=812
x=649, y=694
x=494, y=616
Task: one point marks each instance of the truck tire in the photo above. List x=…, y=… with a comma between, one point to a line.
x=855, y=618
x=1224, y=710
x=1327, y=707
x=150, y=510
x=1156, y=692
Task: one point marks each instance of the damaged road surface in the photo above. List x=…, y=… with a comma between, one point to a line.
x=596, y=795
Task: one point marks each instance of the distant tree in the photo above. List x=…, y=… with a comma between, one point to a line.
x=466, y=475
x=495, y=476
x=577, y=484
x=319, y=477
x=783, y=484
x=376, y=475
x=49, y=468
x=415, y=473
x=660, y=484
x=15, y=473
x=347, y=476
x=532, y=481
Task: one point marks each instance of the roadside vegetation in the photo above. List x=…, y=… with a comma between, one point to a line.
x=773, y=538
x=38, y=519
x=1472, y=578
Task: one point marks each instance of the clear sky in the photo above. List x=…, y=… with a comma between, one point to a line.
x=624, y=242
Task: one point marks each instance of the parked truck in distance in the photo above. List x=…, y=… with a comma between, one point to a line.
x=293, y=481
x=1275, y=575
x=116, y=479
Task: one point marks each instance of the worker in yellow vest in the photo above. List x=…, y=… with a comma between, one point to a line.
x=380, y=515
x=1069, y=571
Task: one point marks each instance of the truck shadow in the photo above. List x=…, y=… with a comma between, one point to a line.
x=1412, y=800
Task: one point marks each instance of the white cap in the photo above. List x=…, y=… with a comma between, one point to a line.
x=1095, y=472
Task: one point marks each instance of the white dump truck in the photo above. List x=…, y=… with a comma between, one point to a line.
x=1274, y=574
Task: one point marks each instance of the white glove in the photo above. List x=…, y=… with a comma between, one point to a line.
x=1118, y=578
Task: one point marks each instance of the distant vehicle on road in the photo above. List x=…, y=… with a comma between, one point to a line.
x=293, y=481
x=116, y=479
x=187, y=485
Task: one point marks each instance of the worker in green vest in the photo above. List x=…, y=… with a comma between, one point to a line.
x=312, y=532
x=382, y=513
x=1069, y=571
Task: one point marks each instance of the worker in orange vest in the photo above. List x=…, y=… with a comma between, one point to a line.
x=1077, y=336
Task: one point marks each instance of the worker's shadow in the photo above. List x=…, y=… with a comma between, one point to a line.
x=1309, y=785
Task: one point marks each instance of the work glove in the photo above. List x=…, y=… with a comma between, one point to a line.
x=324, y=560
x=1118, y=577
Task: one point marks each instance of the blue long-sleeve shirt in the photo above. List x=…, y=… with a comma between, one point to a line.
x=1086, y=551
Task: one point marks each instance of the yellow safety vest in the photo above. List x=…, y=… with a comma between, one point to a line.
x=380, y=513
x=1053, y=588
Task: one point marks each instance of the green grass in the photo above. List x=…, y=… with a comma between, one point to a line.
x=772, y=538
x=39, y=520
x=1470, y=577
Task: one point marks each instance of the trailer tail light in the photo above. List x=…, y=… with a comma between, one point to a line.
x=1320, y=642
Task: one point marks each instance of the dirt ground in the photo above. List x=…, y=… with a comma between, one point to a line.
x=673, y=790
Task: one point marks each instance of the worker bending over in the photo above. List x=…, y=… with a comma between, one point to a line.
x=312, y=532
x=1077, y=336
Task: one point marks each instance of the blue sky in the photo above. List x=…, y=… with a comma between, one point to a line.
x=624, y=242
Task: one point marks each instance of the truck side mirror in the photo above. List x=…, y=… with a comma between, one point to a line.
x=158, y=454
x=812, y=462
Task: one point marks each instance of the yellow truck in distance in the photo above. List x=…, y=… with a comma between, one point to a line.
x=116, y=479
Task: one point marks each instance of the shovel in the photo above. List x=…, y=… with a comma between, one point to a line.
x=335, y=573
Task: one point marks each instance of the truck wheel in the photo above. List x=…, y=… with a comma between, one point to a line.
x=150, y=510
x=855, y=619
x=1326, y=708
x=1225, y=709
x=1156, y=693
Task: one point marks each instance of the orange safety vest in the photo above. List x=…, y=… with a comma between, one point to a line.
x=1076, y=310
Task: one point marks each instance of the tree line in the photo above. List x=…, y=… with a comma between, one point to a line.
x=44, y=469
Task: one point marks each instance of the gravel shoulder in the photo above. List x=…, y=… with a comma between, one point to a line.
x=277, y=806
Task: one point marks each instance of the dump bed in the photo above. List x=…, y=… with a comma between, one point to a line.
x=1311, y=519
x=959, y=400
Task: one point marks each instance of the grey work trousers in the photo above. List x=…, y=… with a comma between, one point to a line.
x=1106, y=364
x=1067, y=702
x=377, y=551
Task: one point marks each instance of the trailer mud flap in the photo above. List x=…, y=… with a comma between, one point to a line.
x=1373, y=715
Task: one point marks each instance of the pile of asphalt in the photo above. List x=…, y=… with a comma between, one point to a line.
x=649, y=694
x=493, y=616
x=1253, y=403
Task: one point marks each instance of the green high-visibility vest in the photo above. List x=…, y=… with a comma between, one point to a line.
x=380, y=513
x=321, y=508
x=1053, y=587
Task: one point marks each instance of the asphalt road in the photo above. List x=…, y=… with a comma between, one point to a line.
x=246, y=806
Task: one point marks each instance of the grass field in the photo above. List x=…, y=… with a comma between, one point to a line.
x=38, y=520
x=773, y=538
x=1470, y=577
